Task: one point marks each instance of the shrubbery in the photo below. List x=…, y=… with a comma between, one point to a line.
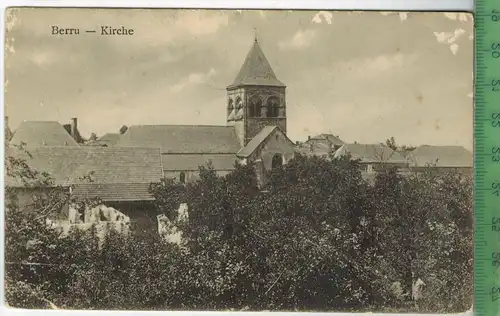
x=319, y=238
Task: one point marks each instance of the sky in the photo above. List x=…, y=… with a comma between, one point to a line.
x=364, y=76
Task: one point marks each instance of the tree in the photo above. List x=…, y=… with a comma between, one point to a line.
x=318, y=238
x=391, y=143
x=27, y=237
x=403, y=149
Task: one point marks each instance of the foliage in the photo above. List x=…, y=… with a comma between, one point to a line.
x=403, y=150
x=317, y=238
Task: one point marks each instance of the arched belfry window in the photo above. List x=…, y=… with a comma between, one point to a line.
x=273, y=107
x=254, y=107
x=277, y=161
x=230, y=106
x=182, y=177
x=238, y=109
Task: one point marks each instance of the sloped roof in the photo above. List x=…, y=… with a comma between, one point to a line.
x=370, y=153
x=329, y=137
x=191, y=162
x=109, y=139
x=182, y=139
x=104, y=165
x=114, y=191
x=255, y=142
x=441, y=156
x=256, y=70
x=42, y=133
x=313, y=149
x=258, y=139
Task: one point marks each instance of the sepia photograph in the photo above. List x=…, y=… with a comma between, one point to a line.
x=238, y=160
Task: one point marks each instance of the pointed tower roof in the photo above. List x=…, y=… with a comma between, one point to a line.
x=256, y=70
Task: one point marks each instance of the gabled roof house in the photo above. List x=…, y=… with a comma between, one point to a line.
x=111, y=174
x=443, y=157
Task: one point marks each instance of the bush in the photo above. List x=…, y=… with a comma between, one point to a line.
x=318, y=238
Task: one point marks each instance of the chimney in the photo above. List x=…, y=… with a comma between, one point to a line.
x=309, y=137
x=123, y=129
x=74, y=128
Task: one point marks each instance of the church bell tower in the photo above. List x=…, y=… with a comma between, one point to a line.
x=256, y=98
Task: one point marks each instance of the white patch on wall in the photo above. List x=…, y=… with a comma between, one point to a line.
x=168, y=229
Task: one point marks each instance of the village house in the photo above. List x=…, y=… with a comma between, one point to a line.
x=322, y=145
x=46, y=133
x=442, y=159
x=107, y=140
x=373, y=157
x=119, y=177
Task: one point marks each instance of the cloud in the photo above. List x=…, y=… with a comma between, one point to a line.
x=322, y=16
x=301, y=39
x=198, y=22
x=193, y=79
x=43, y=59
x=162, y=74
x=373, y=66
x=153, y=27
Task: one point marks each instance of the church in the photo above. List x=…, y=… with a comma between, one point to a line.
x=255, y=130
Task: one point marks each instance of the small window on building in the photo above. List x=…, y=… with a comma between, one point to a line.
x=277, y=161
x=182, y=177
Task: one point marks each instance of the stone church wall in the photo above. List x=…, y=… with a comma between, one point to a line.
x=276, y=143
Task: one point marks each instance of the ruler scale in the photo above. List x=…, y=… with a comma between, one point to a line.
x=487, y=158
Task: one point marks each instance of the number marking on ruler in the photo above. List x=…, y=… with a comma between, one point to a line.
x=487, y=158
